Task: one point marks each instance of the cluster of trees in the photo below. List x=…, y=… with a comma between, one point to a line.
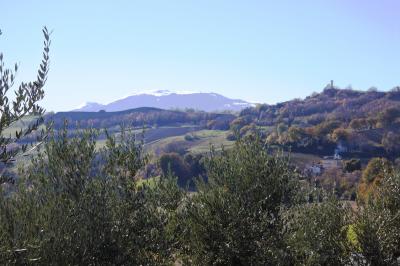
x=327, y=135
x=140, y=117
x=76, y=205
x=316, y=140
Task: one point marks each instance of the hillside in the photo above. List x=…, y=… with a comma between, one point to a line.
x=345, y=121
x=345, y=125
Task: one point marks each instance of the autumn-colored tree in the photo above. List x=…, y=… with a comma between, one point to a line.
x=296, y=134
x=373, y=174
x=326, y=127
x=339, y=134
x=377, y=225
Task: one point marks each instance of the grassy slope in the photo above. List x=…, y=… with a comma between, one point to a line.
x=201, y=143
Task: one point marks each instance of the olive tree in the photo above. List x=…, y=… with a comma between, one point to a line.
x=24, y=102
x=235, y=218
x=317, y=232
x=77, y=205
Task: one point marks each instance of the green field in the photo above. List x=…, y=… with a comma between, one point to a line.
x=202, y=140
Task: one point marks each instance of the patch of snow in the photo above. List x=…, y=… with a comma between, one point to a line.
x=87, y=104
x=82, y=105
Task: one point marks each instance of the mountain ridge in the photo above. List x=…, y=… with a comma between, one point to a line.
x=165, y=99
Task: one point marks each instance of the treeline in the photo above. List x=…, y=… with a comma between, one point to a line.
x=140, y=117
x=77, y=206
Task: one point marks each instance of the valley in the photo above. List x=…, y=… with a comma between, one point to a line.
x=324, y=134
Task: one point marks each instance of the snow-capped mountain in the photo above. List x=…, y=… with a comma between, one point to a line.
x=165, y=99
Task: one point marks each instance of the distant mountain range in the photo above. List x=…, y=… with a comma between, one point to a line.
x=165, y=99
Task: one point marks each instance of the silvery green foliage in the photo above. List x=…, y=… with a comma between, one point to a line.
x=14, y=105
x=80, y=206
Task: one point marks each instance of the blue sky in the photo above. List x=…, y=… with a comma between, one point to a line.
x=263, y=51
